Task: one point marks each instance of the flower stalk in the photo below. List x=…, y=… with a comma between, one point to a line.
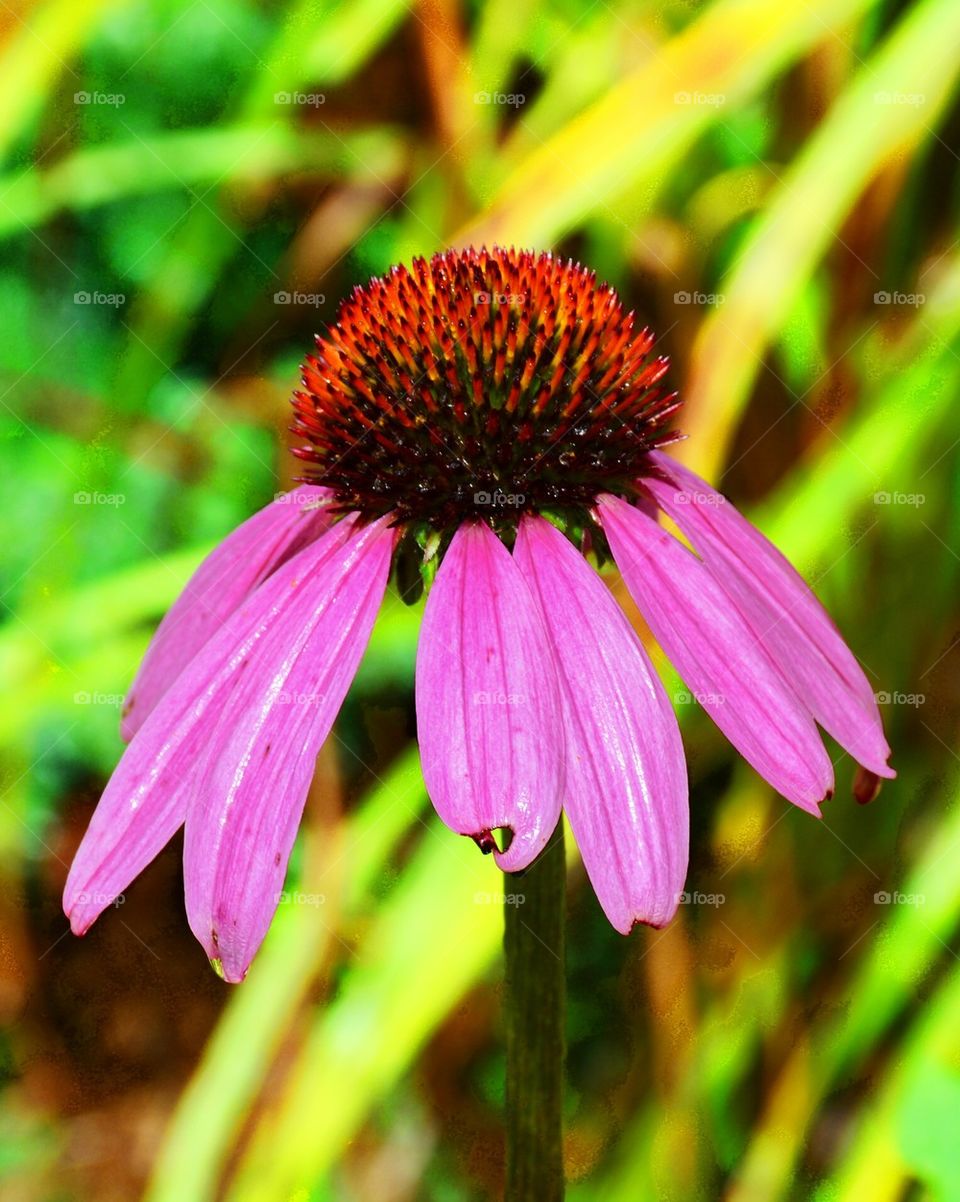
x=534, y=1010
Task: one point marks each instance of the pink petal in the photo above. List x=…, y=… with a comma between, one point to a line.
x=133, y=822
x=488, y=710
x=146, y=798
x=229, y=574
x=780, y=607
x=241, y=825
x=718, y=655
x=626, y=778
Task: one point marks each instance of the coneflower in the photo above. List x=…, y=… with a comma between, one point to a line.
x=480, y=422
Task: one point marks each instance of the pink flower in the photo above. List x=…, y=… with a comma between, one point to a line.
x=496, y=414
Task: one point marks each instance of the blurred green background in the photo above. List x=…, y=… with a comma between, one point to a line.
x=188, y=189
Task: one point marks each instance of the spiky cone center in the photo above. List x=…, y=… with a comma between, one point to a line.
x=481, y=384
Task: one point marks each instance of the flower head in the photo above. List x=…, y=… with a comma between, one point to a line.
x=483, y=419
x=478, y=375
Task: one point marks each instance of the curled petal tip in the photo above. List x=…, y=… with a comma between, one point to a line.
x=813, y=807
x=83, y=906
x=519, y=854
x=228, y=969
x=653, y=924
x=655, y=916
x=884, y=771
x=866, y=786
x=485, y=841
x=79, y=923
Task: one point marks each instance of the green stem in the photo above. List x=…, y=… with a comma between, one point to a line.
x=534, y=996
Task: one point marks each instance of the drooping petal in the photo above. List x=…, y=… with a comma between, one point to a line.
x=146, y=798
x=229, y=574
x=134, y=820
x=782, y=610
x=241, y=826
x=626, y=777
x=718, y=655
x=488, y=710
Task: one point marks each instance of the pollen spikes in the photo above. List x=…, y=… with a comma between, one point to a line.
x=481, y=384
